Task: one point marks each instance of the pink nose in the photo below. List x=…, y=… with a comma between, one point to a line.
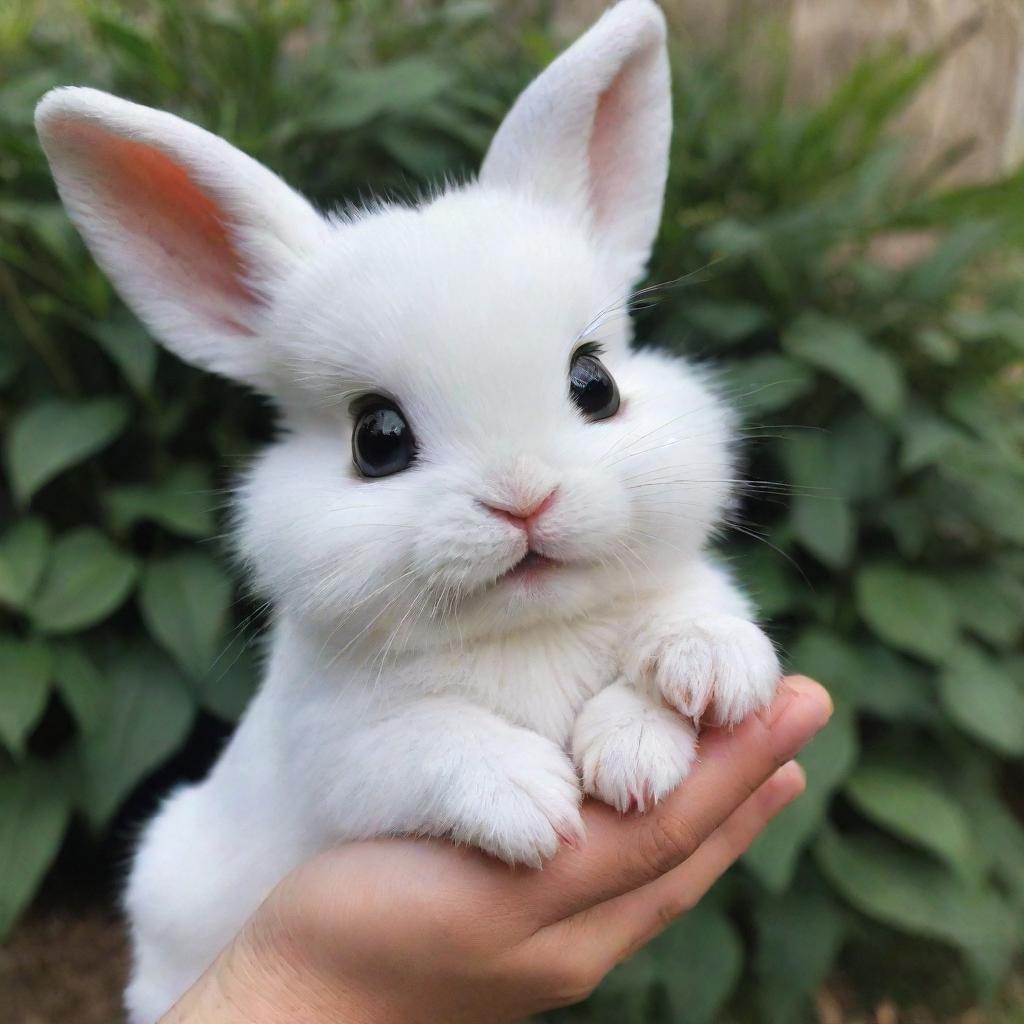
x=523, y=516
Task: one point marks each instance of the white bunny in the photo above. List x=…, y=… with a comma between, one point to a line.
x=483, y=526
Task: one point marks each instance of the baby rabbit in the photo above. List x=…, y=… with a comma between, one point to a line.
x=483, y=527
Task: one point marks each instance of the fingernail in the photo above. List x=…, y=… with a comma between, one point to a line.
x=800, y=712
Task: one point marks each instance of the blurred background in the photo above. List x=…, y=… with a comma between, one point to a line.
x=844, y=237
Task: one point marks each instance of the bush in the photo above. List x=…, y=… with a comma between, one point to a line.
x=882, y=531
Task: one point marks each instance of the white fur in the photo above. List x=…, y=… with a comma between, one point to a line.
x=410, y=687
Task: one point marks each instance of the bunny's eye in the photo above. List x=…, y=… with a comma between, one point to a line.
x=382, y=442
x=591, y=386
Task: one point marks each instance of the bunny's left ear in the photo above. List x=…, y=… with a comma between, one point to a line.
x=591, y=133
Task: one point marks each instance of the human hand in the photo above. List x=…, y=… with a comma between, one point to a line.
x=408, y=931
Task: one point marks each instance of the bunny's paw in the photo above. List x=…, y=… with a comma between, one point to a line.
x=718, y=668
x=518, y=804
x=629, y=751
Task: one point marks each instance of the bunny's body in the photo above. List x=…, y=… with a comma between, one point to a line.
x=484, y=525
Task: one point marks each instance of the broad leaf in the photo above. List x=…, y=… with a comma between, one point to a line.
x=87, y=579
x=838, y=348
x=910, y=610
x=766, y=383
x=926, y=439
x=57, y=433
x=82, y=687
x=33, y=815
x=625, y=994
x=228, y=686
x=700, y=959
x=913, y=806
x=23, y=551
x=867, y=676
x=798, y=936
x=984, y=699
x=182, y=503
x=150, y=713
x=126, y=342
x=900, y=888
x=990, y=603
x=827, y=761
x=729, y=322
x=184, y=601
x=826, y=527
x=24, y=686
x=362, y=94
x=860, y=454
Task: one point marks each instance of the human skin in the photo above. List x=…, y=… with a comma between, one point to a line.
x=408, y=931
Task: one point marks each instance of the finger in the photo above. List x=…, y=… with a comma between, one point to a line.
x=613, y=931
x=621, y=854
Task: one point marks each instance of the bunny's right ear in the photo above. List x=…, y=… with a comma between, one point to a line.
x=591, y=134
x=194, y=234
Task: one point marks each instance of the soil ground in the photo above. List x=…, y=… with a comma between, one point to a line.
x=64, y=966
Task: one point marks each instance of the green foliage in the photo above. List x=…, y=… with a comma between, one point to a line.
x=886, y=395
x=120, y=618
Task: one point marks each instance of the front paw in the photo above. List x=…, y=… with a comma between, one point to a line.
x=518, y=804
x=716, y=667
x=631, y=752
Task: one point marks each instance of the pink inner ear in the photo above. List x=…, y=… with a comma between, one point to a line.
x=171, y=218
x=612, y=149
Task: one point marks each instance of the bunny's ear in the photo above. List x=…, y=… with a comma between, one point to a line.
x=591, y=133
x=194, y=234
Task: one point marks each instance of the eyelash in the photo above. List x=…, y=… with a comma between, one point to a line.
x=588, y=348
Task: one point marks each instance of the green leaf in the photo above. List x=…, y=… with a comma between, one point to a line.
x=1002, y=831
x=926, y=439
x=930, y=280
x=183, y=502
x=134, y=353
x=827, y=760
x=766, y=383
x=24, y=679
x=184, y=601
x=913, y=806
x=23, y=550
x=87, y=579
x=799, y=933
x=764, y=575
x=909, y=610
x=625, y=994
x=825, y=527
x=228, y=686
x=867, y=676
x=893, y=885
x=150, y=714
x=838, y=348
x=700, y=960
x=363, y=94
x=852, y=462
x=81, y=686
x=731, y=322
x=33, y=815
x=984, y=700
x=860, y=456
x=990, y=603
x=55, y=434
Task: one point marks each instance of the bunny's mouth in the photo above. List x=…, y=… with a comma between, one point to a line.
x=530, y=566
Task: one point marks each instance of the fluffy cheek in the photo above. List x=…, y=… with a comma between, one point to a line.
x=456, y=545
x=318, y=542
x=589, y=520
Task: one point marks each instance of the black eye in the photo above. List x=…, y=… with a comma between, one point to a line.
x=591, y=387
x=382, y=442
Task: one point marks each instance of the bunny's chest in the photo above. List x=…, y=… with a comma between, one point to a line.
x=541, y=679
